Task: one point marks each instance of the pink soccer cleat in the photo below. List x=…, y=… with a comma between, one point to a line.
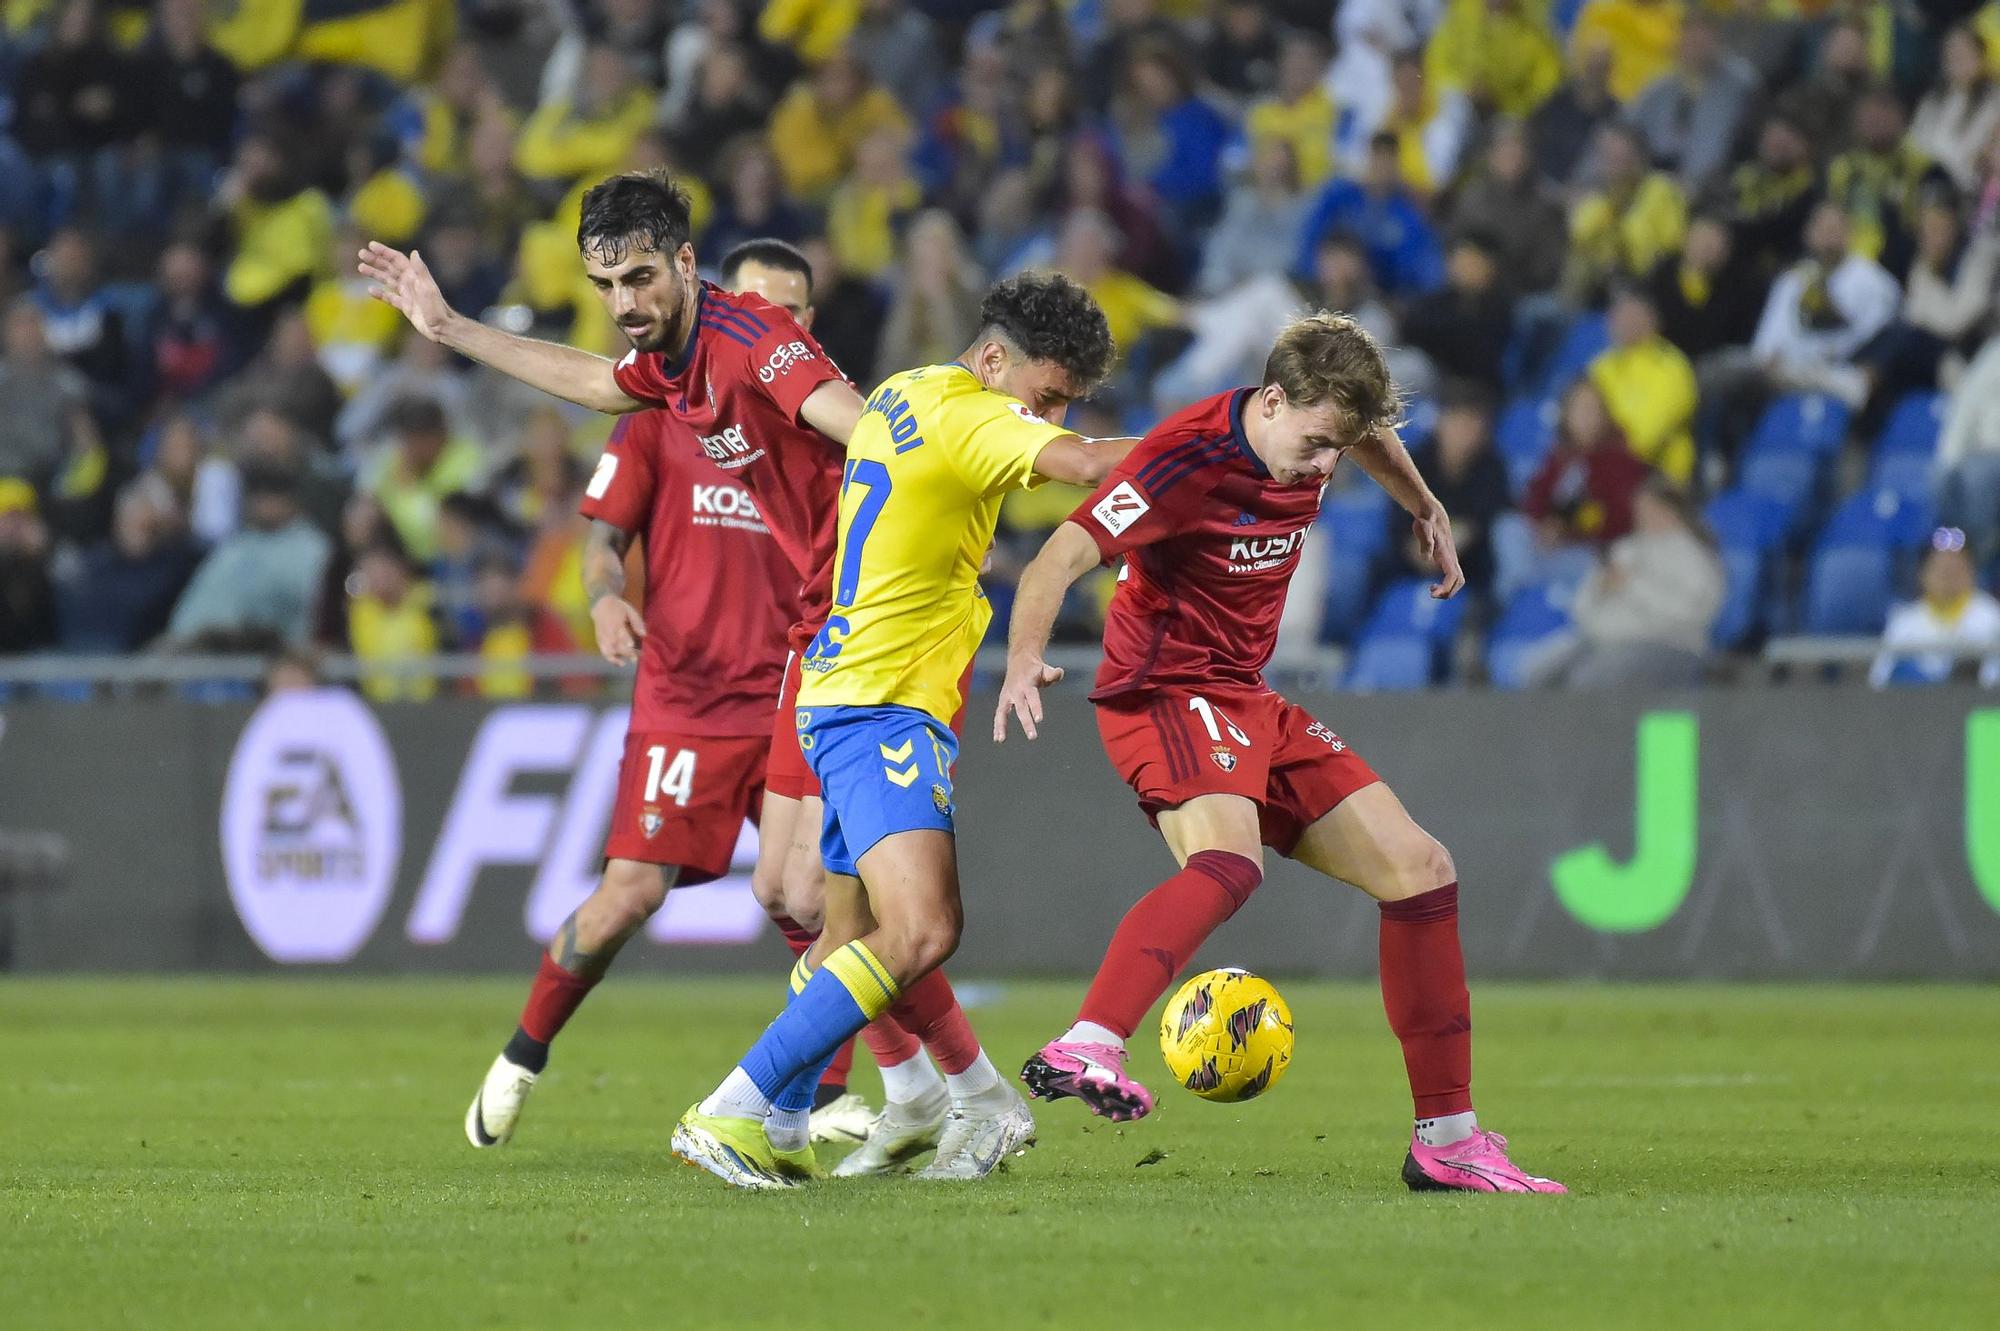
x=1093, y=1073
x=1477, y=1164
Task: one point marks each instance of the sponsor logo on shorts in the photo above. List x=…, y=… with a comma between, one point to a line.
x=1121, y=508
x=1318, y=730
x=649, y=822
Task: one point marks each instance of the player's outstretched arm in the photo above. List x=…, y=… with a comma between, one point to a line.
x=405, y=281
x=619, y=627
x=1081, y=461
x=1065, y=557
x=834, y=408
x=1384, y=458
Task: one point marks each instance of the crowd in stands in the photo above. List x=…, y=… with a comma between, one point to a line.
x=1695, y=302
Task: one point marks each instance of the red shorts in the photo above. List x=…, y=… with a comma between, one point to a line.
x=788, y=773
x=1171, y=746
x=682, y=800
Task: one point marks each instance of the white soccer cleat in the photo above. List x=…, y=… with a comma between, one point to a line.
x=898, y=1134
x=977, y=1139
x=497, y=1108
x=843, y=1121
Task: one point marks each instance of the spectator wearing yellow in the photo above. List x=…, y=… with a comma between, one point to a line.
x=421, y=463
x=390, y=622
x=562, y=305
x=281, y=229
x=587, y=135
x=1429, y=127
x=1642, y=36
x=400, y=38
x=817, y=127
x=451, y=108
x=1496, y=52
x=649, y=151
x=868, y=209
x=353, y=331
x=1770, y=196
x=1649, y=387
x=815, y=30
x=1634, y=218
x=935, y=309
x=514, y=627
x=1132, y=307
x=1879, y=179
x=1299, y=110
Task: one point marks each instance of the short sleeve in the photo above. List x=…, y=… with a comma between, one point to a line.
x=1149, y=497
x=642, y=376
x=621, y=489
x=996, y=451
x=785, y=363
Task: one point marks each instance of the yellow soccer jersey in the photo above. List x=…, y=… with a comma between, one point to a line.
x=920, y=493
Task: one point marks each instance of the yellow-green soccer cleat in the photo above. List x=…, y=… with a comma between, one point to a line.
x=736, y=1151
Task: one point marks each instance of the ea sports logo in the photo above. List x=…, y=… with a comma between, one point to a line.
x=312, y=826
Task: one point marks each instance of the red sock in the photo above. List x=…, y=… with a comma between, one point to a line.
x=929, y=1010
x=555, y=996
x=1160, y=933
x=889, y=1043
x=797, y=937
x=1423, y=991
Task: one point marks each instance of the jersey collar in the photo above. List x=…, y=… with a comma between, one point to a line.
x=1237, y=401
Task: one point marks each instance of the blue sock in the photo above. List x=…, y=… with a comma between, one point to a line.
x=798, y=1093
x=846, y=993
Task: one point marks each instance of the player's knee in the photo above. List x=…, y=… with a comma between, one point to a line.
x=631, y=892
x=1421, y=864
x=1237, y=875
x=925, y=943
x=767, y=884
x=804, y=890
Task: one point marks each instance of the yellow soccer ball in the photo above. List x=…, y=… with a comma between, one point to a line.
x=1227, y=1035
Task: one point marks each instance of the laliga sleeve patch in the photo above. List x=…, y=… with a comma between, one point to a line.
x=1120, y=509
x=600, y=480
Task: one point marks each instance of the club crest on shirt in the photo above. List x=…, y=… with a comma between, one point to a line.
x=649, y=821
x=1224, y=758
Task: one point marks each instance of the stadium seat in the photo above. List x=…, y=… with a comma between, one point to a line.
x=1587, y=336
x=1407, y=608
x=1848, y=590
x=1878, y=518
x=1356, y=519
x=1751, y=528
x=1789, y=478
x=1390, y=662
x=1523, y=435
x=1532, y=617
x=1747, y=518
x=1742, y=597
x=1914, y=425
x=1809, y=422
x=1903, y=472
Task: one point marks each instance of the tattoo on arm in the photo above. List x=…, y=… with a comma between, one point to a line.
x=604, y=560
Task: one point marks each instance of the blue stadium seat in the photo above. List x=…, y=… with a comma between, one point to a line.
x=1914, y=425
x=1532, y=617
x=1390, y=662
x=1789, y=478
x=1523, y=436
x=1747, y=519
x=1848, y=589
x=1904, y=472
x=1407, y=609
x=1878, y=519
x=1809, y=422
x=1356, y=520
x=1587, y=336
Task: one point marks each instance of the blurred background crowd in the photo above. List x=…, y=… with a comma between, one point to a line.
x=1695, y=301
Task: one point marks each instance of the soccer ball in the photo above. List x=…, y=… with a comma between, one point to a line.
x=1227, y=1035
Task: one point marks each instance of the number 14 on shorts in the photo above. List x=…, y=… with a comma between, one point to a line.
x=671, y=780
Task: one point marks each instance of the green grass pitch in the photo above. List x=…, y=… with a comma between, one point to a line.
x=288, y=1153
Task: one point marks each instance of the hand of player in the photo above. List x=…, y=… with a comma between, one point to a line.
x=1022, y=694
x=405, y=281
x=619, y=628
x=1435, y=543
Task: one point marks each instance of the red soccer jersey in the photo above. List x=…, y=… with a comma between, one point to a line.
x=738, y=387
x=720, y=594
x=1210, y=542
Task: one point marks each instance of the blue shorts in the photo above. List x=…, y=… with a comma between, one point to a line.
x=881, y=770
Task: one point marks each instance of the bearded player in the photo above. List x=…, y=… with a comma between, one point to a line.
x=711, y=658
x=1210, y=513
x=762, y=402
x=925, y=473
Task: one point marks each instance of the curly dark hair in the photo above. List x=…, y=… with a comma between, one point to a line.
x=638, y=210
x=1050, y=318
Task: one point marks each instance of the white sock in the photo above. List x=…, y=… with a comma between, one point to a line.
x=737, y=1097
x=1444, y=1131
x=1089, y=1032
x=788, y=1129
x=975, y=1081
x=911, y=1080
